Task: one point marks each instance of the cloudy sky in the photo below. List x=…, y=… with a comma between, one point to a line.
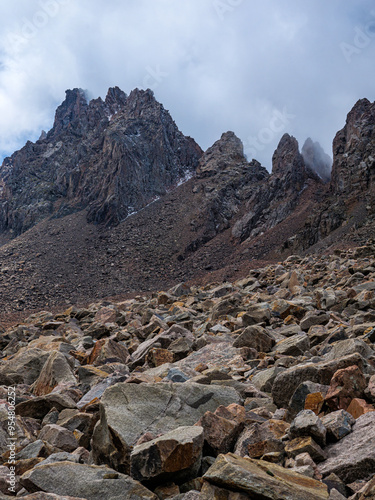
x=257, y=67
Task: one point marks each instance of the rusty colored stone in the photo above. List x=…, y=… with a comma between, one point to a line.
x=314, y=402
x=359, y=407
x=158, y=356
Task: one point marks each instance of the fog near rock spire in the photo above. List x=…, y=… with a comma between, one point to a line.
x=316, y=159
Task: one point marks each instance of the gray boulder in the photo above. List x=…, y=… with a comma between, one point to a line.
x=353, y=457
x=86, y=481
x=127, y=411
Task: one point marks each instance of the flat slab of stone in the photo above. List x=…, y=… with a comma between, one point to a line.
x=260, y=479
x=86, y=481
x=353, y=457
x=128, y=411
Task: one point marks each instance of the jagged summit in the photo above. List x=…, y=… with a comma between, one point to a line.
x=223, y=153
x=90, y=161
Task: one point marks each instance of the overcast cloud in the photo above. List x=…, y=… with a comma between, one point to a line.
x=259, y=68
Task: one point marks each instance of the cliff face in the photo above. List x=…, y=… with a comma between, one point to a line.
x=354, y=152
x=350, y=202
x=112, y=157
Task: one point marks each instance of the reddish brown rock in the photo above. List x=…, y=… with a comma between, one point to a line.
x=220, y=433
x=158, y=356
x=55, y=370
x=232, y=412
x=260, y=439
x=359, y=407
x=305, y=445
x=346, y=384
x=108, y=351
x=176, y=455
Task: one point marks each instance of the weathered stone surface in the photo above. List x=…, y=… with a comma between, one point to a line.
x=305, y=445
x=313, y=318
x=59, y=437
x=359, y=407
x=347, y=347
x=87, y=481
x=255, y=337
x=338, y=424
x=360, y=462
x=55, y=370
x=307, y=423
x=298, y=399
x=128, y=411
x=346, y=384
x=39, y=407
x=260, y=439
x=314, y=402
x=220, y=433
x=293, y=346
x=25, y=366
x=257, y=313
x=176, y=455
x=108, y=351
x=264, y=480
x=286, y=382
x=265, y=379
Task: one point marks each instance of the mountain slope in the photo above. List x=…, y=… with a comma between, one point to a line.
x=115, y=200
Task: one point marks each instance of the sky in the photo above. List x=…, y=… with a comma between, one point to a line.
x=257, y=67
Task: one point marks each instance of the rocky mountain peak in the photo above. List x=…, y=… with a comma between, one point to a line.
x=287, y=157
x=316, y=159
x=223, y=154
x=70, y=112
x=115, y=99
x=137, y=158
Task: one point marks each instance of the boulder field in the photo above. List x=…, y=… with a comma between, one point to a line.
x=262, y=388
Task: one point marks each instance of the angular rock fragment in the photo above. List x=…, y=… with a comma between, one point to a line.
x=260, y=479
x=86, y=481
x=360, y=462
x=175, y=455
x=307, y=423
x=338, y=424
x=127, y=411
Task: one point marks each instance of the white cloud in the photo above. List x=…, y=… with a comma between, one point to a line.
x=217, y=65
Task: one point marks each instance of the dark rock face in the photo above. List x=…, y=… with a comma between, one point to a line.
x=224, y=181
x=350, y=199
x=316, y=159
x=275, y=199
x=112, y=157
x=354, y=151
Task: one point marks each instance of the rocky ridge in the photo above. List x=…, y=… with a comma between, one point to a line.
x=256, y=388
x=112, y=157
